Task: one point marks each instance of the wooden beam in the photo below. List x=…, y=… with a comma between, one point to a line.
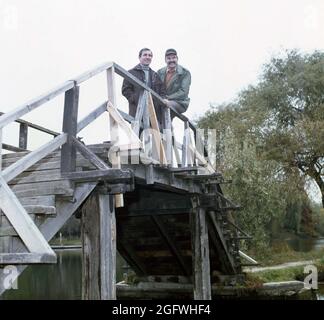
x=26, y=258
x=167, y=132
x=99, y=248
x=93, y=72
x=156, y=131
x=109, y=175
x=171, y=243
x=70, y=123
x=92, y=116
x=24, y=163
x=35, y=126
x=22, y=222
x=107, y=247
x=9, y=147
x=50, y=227
x=89, y=155
x=33, y=104
x=23, y=136
x=200, y=254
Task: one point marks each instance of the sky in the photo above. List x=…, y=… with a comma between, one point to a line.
x=222, y=43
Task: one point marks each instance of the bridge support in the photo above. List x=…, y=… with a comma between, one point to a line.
x=99, y=248
x=200, y=253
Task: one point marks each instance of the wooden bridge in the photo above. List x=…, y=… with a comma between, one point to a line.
x=157, y=201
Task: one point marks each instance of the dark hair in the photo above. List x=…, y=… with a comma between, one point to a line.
x=142, y=50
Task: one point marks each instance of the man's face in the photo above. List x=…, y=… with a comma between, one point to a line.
x=146, y=57
x=171, y=61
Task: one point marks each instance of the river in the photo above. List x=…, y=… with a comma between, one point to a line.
x=63, y=280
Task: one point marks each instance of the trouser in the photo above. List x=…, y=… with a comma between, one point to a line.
x=178, y=107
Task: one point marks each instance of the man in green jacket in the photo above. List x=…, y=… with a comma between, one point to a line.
x=177, y=81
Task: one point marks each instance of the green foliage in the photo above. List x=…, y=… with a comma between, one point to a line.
x=270, y=140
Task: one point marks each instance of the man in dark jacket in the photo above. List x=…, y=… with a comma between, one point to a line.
x=177, y=80
x=144, y=73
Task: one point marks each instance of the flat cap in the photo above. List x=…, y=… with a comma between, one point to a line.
x=170, y=51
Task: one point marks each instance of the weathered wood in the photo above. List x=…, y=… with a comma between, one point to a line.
x=21, y=221
x=35, y=126
x=92, y=116
x=0, y=150
x=60, y=187
x=33, y=104
x=30, y=159
x=119, y=120
x=89, y=155
x=171, y=244
x=110, y=175
x=91, y=73
x=9, y=147
x=51, y=226
x=99, y=248
x=185, y=143
x=26, y=258
x=107, y=247
x=113, y=125
x=23, y=135
x=200, y=254
x=175, y=148
x=156, y=131
x=40, y=210
x=139, y=114
x=70, y=124
x=167, y=132
x=37, y=176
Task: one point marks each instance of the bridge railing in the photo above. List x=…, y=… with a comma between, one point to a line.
x=145, y=119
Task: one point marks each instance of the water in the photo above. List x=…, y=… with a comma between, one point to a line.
x=306, y=244
x=64, y=279
x=52, y=282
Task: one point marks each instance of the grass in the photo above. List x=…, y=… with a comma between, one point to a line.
x=282, y=253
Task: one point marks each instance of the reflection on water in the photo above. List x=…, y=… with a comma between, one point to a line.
x=57, y=281
x=306, y=244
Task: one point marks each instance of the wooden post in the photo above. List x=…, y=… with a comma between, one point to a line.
x=0, y=150
x=70, y=126
x=98, y=229
x=200, y=253
x=167, y=132
x=114, y=136
x=23, y=135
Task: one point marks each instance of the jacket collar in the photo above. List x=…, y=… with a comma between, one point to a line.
x=178, y=71
x=139, y=67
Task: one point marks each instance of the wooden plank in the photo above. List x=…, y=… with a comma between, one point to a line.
x=136, y=125
x=9, y=147
x=0, y=151
x=171, y=244
x=21, y=165
x=33, y=104
x=51, y=226
x=113, y=125
x=109, y=175
x=89, y=155
x=23, y=136
x=200, y=255
x=185, y=143
x=26, y=258
x=98, y=228
x=167, y=132
x=93, y=115
x=40, y=210
x=35, y=126
x=202, y=160
x=70, y=123
x=21, y=221
x=43, y=200
x=93, y=72
x=133, y=138
x=107, y=247
x=36, y=176
x=156, y=131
